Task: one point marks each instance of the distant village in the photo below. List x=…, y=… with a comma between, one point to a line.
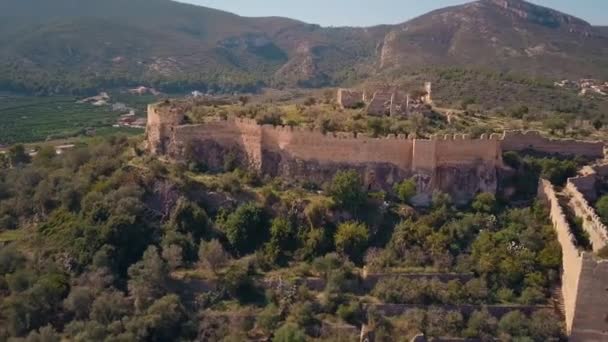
x=586, y=86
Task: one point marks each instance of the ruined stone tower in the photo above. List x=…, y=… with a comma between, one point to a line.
x=427, y=88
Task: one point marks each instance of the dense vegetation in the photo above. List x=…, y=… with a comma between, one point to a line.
x=103, y=243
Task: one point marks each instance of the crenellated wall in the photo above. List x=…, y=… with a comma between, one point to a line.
x=592, y=223
x=533, y=140
x=584, y=279
x=454, y=164
x=571, y=256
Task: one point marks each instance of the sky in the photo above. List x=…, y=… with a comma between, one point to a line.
x=374, y=12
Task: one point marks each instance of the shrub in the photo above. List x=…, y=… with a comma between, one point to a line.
x=289, y=332
x=346, y=190
x=212, y=255
x=351, y=239
x=406, y=190
x=246, y=228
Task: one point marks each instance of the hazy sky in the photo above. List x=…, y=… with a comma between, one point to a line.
x=373, y=12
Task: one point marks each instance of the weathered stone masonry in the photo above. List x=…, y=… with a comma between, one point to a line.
x=584, y=279
x=452, y=163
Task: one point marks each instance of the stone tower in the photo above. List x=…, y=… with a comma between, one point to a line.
x=427, y=89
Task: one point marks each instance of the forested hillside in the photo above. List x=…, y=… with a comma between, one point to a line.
x=68, y=46
x=105, y=243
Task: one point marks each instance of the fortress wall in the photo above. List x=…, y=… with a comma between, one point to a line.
x=590, y=322
x=347, y=148
x=585, y=184
x=571, y=256
x=245, y=137
x=424, y=153
x=460, y=150
x=519, y=141
x=598, y=233
x=161, y=118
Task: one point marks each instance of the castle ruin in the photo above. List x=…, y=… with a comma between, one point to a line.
x=454, y=164
x=584, y=277
x=387, y=103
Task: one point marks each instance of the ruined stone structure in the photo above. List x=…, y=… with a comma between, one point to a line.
x=584, y=278
x=581, y=190
x=348, y=98
x=455, y=164
x=385, y=103
x=532, y=140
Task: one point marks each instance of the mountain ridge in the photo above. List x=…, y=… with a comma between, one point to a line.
x=70, y=45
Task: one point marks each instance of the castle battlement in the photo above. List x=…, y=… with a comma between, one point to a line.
x=455, y=163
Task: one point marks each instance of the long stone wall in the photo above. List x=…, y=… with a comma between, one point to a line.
x=533, y=140
x=571, y=256
x=454, y=164
x=584, y=279
x=592, y=223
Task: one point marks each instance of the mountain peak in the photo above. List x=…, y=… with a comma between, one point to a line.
x=541, y=15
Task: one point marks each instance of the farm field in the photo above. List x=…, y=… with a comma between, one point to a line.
x=25, y=119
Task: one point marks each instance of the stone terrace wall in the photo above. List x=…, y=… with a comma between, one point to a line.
x=571, y=256
x=532, y=140
x=495, y=310
x=598, y=233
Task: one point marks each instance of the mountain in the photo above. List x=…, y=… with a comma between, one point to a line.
x=504, y=35
x=65, y=44
x=82, y=45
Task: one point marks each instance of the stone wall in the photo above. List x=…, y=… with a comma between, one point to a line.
x=454, y=164
x=532, y=140
x=592, y=224
x=584, y=279
x=591, y=312
x=571, y=256
x=495, y=310
x=348, y=98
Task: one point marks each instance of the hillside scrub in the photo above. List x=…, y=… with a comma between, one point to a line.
x=123, y=246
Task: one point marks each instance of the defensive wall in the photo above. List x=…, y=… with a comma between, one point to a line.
x=454, y=164
x=584, y=278
x=533, y=140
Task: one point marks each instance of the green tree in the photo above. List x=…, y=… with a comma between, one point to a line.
x=351, y=239
x=44, y=334
x=188, y=217
x=162, y=321
x=212, y=255
x=481, y=325
x=246, y=228
x=346, y=190
x=17, y=155
x=406, y=190
x=602, y=208
x=556, y=124
x=289, y=332
x=269, y=318
x=545, y=325
x=79, y=301
x=109, y=307
x=148, y=278
x=282, y=239
x=513, y=324
x=484, y=202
